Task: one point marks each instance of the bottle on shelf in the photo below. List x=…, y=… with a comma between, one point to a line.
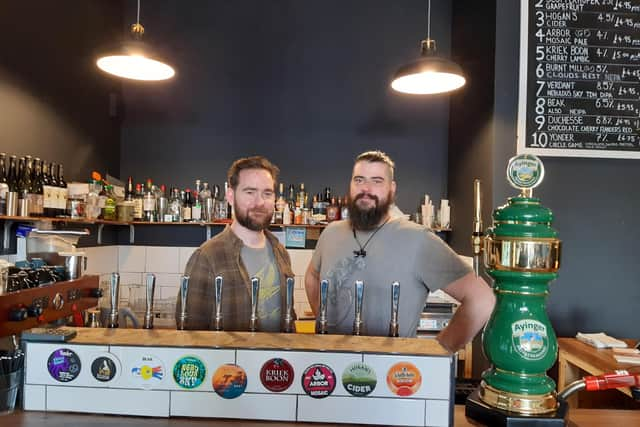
x=63, y=192
x=109, y=209
x=4, y=186
x=187, y=205
x=196, y=208
x=54, y=192
x=46, y=191
x=344, y=209
x=129, y=191
x=149, y=203
x=36, y=191
x=207, y=202
x=162, y=204
x=138, y=211
x=333, y=210
x=24, y=188
x=92, y=209
x=175, y=206
x=301, y=200
x=280, y=204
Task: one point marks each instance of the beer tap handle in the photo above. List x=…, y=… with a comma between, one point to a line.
x=218, y=311
x=395, y=304
x=359, y=296
x=288, y=314
x=184, y=291
x=322, y=322
x=477, y=233
x=255, y=290
x=114, y=295
x=150, y=291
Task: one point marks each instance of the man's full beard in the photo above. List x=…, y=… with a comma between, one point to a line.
x=246, y=221
x=367, y=219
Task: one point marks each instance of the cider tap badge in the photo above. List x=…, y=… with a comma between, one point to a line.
x=318, y=381
x=359, y=379
x=189, y=372
x=276, y=374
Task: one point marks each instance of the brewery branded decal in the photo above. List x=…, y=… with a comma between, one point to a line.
x=148, y=369
x=276, y=374
x=318, y=380
x=104, y=368
x=64, y=365
x=525, y=171
x=189, y=372
x=359, y=379
x=404, y=379
x=229, y=381
x=530, y=339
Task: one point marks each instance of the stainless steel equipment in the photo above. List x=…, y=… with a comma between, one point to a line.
x=395, y=305
x=358, y=324
x=218, y=320
x=288, y=314
x=323, y=322
x=150, y=290
x=255, y=290
x=47, y=244
x=114, y=296
x=184, y=291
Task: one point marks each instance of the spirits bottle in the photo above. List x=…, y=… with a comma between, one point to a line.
x=4, y=186
x=149, y=203
x=138, y=211
x=333, y=210
x=175, y=206
x=109, y=209
x=187, y=205
x=63, y=192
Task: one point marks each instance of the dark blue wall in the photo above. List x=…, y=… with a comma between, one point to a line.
x=304, y=83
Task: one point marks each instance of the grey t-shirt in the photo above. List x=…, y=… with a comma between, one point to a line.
x=400, y=251
x=260, y=263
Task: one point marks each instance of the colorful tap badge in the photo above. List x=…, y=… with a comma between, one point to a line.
x=276, y=375
x=229, y=381
x=525, y=171
x=530, y=339
x=359, y=379
x=404, y=379
x=148, y=369
x=104, y=368
x=318, y=381
x=64, y=365
x=189, y=372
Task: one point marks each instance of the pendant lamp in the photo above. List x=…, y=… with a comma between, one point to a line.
x=430, y=74
x=134, y=59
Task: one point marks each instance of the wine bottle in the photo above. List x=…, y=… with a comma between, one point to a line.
x=4, y=186
x=138, y=211
x=187, y=205
x=63, y=192
x=149, y=202
x=129, y=193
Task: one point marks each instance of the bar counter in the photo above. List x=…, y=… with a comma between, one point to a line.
x=577, y=417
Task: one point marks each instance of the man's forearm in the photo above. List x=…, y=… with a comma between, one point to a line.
x=312, y=288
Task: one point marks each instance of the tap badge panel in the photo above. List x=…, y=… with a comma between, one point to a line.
x=189, y=372
x=404, y=379
x=104, y=368
x=148, y=369
x=229, y=381
x=359, y=379
x=318, y=380
x=64, y=365
x=525, y=171
x=276, y=374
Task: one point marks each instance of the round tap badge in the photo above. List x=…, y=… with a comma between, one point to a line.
x=404, y=379
x=318, y=381
x=525, y=171
x=359, y=379
x=64, y=365
x=276, y=375
x=104, y=368
x=189, y=372
x=148, y=369
x=229, y=381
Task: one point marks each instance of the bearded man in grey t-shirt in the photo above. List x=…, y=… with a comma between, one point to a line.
x=374, y=247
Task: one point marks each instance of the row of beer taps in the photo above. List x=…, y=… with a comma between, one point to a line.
x=322, y=324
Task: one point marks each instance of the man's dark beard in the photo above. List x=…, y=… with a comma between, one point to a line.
x=367, y=219
x=247, y=222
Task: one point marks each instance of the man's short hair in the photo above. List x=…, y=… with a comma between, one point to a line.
x=377, y=156
x=254, y=162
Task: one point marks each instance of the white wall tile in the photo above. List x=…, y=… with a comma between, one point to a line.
x=162, y=259
x=102, y=259
x=300, y=260
x=131, y=259
x=185, y=254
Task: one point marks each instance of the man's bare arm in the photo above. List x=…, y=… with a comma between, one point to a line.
x=476, y=304
x=312, y=287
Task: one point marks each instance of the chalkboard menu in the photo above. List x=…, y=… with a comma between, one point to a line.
x=580, y=78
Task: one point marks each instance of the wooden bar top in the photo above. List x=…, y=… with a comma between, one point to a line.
x=577, y=418
x=258, y=340
x=595, y=361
